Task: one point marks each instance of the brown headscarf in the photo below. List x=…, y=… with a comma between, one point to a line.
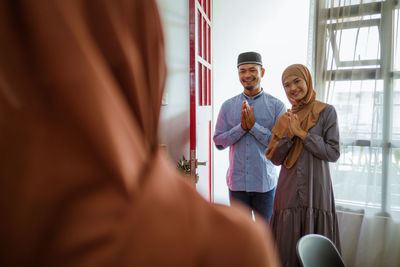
x=307, y=110
x=82, y=181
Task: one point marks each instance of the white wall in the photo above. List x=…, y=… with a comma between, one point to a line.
x=174, y=121
x=276, y=29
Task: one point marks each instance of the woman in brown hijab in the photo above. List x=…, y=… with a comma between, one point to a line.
x=304, y=140
x=83, y=182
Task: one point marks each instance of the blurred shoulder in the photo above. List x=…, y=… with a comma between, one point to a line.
x=250, y=245
x=211, y=234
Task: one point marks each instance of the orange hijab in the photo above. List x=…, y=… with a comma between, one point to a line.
x=307, y=110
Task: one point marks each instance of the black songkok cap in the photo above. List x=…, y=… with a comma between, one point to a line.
x=249, y=58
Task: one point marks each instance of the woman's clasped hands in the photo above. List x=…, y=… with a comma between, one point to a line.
x=294, y=125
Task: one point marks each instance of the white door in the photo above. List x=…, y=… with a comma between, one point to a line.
x=201, y=96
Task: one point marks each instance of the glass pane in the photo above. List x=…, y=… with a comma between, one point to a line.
x=394, y=184
x=357, y=177
x=358, y=44
x=397, y=40
x=396, y=111
x=337, y=3
x=331, y=65
x=359, y=105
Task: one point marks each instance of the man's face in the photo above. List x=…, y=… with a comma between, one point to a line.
x=250, y=76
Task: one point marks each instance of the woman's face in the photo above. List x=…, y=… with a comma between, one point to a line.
x=295, y=88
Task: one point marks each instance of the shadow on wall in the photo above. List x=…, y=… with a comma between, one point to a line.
x=175, y=134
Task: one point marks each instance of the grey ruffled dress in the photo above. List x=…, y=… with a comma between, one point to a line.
x=304, y=201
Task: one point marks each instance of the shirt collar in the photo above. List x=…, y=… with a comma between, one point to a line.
x=254, y=96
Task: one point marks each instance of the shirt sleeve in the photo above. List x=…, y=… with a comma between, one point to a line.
x=262, y=134
x=326, y=147
x=225, y=136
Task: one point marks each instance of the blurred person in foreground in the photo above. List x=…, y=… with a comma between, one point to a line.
x=83, y=182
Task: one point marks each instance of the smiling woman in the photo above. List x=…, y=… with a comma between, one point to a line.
x=304, y=141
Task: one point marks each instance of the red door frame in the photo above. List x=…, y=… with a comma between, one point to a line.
x=192, y=73
x=203, y=39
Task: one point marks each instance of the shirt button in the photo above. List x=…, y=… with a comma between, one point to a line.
x=247, y=144
x=247, y=172
x=247, y=158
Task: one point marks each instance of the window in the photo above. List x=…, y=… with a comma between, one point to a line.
x=357, y=70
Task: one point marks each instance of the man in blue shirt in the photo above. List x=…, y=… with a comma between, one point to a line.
x=244, y=125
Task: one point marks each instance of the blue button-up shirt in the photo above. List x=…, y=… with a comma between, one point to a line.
x=249, y=169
